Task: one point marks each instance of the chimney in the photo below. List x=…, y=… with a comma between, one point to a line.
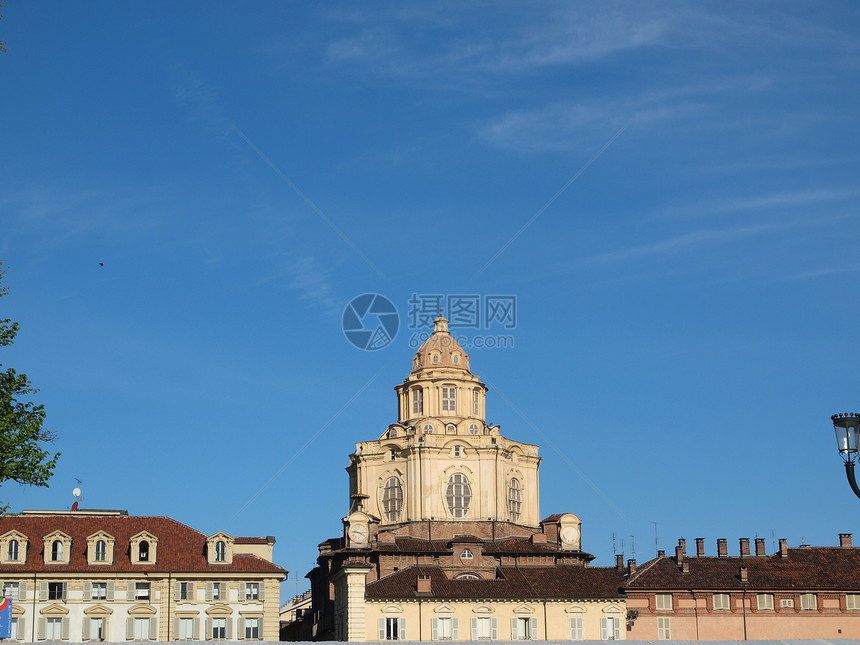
x=700, y=547
x=631, y=566
x=722, y=549
x=783, y=548
x=661, y=553
x=423, y=584
x=845, y=540
x=745, y=547
x=685, y=566
x=745, y=575
x=759, y=546
x=619, y=562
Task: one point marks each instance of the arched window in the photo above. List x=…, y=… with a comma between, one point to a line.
x=469, y=576
x=13, y=549
x=515, y=500
x=458, y=494
x=143, y=551
x=56, y=551
x=466, y=554
x=101, y=551
x=417, y=401
x=392, y=499
x=220, y=551
x=475, y=402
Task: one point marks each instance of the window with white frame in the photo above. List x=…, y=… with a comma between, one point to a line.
x=786, y=603
x=576, y=627
x=392, y=499
x=141, y=628
x=186, y=629
x=852, y=601
x=13, y=550
x=10, y=590
x=219, y=629
x=484, y=628
x=764, y=601
x=252, y=628
x=610, y=628
x=96, y=628
x=252, y=591
x=449, y=398
x=184, y=590
x=54, y=629
x=515, y=500
x=458, y=495
x=456, y=451
x=216, y=591
x=664, y=628
x=466, y=555
x=392, y=629
x=808, y=601
x=524, y=628
x=98, y=591
x=56, y=551
x=101, y=551
x=722, y=601
x=220, y=551
x=141, y=591
x=13, y=632
x=663, y=602
x=417, y=401
x=143, y=551
x=444, y=628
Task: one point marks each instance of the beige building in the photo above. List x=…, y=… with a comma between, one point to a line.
x=443, y=539
x=108, y=576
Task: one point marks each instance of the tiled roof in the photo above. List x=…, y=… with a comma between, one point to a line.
x=561, y=581
x=808, y=568
x=179, y=547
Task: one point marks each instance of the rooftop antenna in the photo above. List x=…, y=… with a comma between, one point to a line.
x=633, y=545
x=614, y=550
x=77, y=493
x=656, y=542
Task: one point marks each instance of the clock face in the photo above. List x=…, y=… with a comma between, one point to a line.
x=569, y=534
x=358, y=533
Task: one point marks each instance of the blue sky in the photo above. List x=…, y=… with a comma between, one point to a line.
x=670, y=191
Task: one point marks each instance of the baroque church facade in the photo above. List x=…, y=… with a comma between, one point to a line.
x=444, y=540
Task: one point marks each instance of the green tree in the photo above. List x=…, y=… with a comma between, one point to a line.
x=23, y=456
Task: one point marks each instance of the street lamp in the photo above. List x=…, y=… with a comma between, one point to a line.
x=847, y=427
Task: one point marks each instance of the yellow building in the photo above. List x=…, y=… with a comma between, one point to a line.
x=443, y=539
x=107, y=576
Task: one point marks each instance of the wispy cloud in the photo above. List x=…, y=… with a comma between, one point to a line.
x=763, y=202
x=310, y=278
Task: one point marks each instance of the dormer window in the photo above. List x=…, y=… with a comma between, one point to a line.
x=144, y=548
x=101, y=551
x=13, y=550
x=57, y=551
x=456, y=359
x=435, y=358
x=220, y=551
x=143, y=551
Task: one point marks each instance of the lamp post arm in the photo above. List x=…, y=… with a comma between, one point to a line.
x=849, y=471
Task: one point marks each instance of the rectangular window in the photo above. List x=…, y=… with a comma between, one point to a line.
x=722, y=601
x=484, y=628
x=392, y=629
x=186, y=629
x=442, y=629
x=54, y=629
x=97, y=629
x=216, y=591
x=99, y=591
x=523, y=629
x=475, y=399
x=417, y=401
x=141, y=629
x=852, y=601
x=664, y=628
x=252, y=628
x=449, y=398
x=577, y=630
x=55, y=590
x=13, y=635
x=10, y=590
x=141, y=591
x=808, y=601
x=219, y=629
x=765, y=601
x=786, y=602
x=252, y=591
x=610, y=628
x=184, y=591
x=664, y=602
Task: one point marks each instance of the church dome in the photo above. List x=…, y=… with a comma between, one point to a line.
x=440, y=351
